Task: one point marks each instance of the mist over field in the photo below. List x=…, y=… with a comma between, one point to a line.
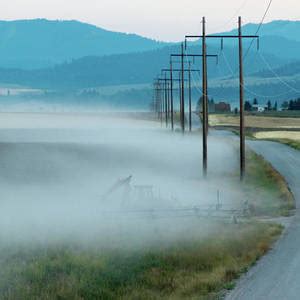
x=57, y=168
x=103, y=134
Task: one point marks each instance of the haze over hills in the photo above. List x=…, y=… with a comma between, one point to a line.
x=133, y=68
x=289, y=70
x=41, y=43
x=280, y=28
x=280, y=38
x=94, y=58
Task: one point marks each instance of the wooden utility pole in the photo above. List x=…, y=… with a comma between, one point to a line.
x=242, y=116
x=182, y=91
x=167, y=94
x=172, y=99
x=182, y=71
x=166, y=90
x=166, y=100
x=161, y=104
x=180, y=99
x=240, y=37
x=157, y=100
x=189, y=70
x=169, y=101
x=190, y=99
x=204, y=98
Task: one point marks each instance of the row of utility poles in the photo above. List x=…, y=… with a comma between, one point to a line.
x=164, y=88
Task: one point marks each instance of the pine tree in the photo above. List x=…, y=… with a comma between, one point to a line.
x=248, y=106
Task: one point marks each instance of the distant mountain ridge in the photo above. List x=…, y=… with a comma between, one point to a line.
x=280, y=28
x=280, y=38
x=42, y=43
x=130, y=59
x=131, y=68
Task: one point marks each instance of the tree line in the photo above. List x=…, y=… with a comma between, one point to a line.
x=291, y=105
x=269, y=106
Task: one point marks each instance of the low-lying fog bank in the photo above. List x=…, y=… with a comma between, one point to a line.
x=58, y=174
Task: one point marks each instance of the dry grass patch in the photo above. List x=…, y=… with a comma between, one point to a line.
x=289, y=135
x=290, y=138
x=255, y=121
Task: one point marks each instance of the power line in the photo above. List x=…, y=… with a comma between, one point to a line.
x=232, y=17
x=264, y=61
x=276, y=75
x=193, y=77
x=259, y=27
x=233, y=74
x=247, y=89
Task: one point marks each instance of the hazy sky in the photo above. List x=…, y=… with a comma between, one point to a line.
x=159, y=19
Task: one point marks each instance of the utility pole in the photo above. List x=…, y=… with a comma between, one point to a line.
x=182, y=71
x=169, y=101
x=189, y=70
x=190, y=99
x=180, y=99
x=161, y=104
x=172, y=99
x=204, y=98
x=166, y=100
x=156, y=99
x=167, y=88
x=182, y=91
x=242, y=115
x=240, y=37
x=163, y=93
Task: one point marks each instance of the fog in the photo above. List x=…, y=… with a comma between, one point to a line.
x=58, y=171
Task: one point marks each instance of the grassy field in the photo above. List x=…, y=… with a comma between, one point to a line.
x=255, y=121
x=265, y=188
x=290, y=135
x=200, y=261
x=290, y=138
x=198, y=266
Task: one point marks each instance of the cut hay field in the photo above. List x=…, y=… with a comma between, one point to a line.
x=290, y=138
x=291, y=135
x=281, y=128
x=260, y=122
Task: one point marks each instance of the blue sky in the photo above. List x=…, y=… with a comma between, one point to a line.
x=159, y=19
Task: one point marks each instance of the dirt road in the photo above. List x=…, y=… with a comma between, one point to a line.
x=277, y=275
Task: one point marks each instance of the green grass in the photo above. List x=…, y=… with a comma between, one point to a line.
x=194, y=269
x=266, y=189
x=278, y=114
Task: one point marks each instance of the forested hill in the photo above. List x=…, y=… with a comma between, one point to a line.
x=280, y=28
x=133, y=68
x=131, y=59
x=40, y=43
x=292, y=69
